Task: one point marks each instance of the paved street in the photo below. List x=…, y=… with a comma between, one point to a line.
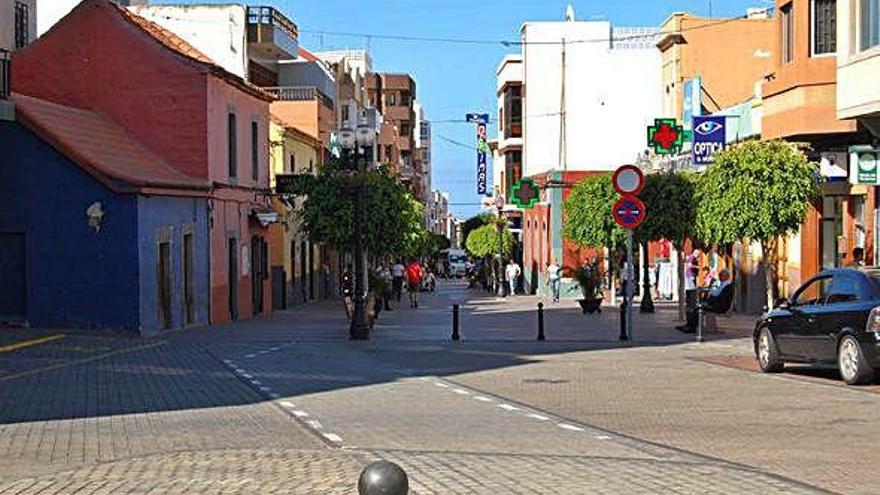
x=286, y=404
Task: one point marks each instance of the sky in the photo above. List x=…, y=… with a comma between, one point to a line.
x=454, y=79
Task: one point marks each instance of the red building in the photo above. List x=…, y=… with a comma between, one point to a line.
x=204, y=121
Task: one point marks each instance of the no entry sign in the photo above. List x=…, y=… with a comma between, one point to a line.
x=629, y=212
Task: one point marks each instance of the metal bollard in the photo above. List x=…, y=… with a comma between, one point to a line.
x=541, y=335
x=455, y=335
x=623, y=336
x=700, y=317
x=383, y=478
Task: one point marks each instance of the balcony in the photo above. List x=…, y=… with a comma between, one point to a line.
x=271, y=33
x=300, y=93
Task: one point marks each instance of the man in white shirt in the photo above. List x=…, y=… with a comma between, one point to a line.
x=513, y=272
x=397, y=279
x=554, y=278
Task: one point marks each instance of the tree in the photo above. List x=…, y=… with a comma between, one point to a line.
x=393, y=221
x=758, y=191
x=474, y=223
x=483, y=241
x=588, y=220
x=669, y=201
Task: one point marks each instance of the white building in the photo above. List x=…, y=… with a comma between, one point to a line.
x=49, y=12
x=422, y=130
x=507, y=156
x=592, y=89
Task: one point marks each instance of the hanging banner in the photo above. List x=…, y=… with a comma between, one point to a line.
x=692, y=102
x=710, y=137
x=482, y=154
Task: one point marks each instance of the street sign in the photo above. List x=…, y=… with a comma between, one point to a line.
x=865, y=160
x=477, y=118
x=710, y=137
x=628, y=180
x=525, y=194
x=629, y=212
x=665, y=136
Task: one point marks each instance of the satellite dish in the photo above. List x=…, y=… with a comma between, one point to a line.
x=569, y=13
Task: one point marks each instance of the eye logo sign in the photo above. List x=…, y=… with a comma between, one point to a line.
x=709, y=138
x=708, y=127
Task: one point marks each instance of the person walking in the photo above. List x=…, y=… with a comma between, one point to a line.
x=397, y=272
x=387, y=279
x=513, y=271
x=348, y=292
x=554, y=278
x=414, y=282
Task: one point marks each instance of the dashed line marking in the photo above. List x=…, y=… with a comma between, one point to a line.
x=288, y=404
x=603, y=437
x=441, y=385
x=256, y=382
x=482, y=399
x=274, y=395
x=314, y=423
x=246, y=375
x=265, y=389
x=300, y=414
x=251, y=356
x=461, y=392
x=566, y=426
x=274, y=349
x=333, y=437
x=538, y=417
x=508, y=407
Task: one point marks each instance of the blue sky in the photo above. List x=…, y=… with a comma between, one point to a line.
x=453, y=79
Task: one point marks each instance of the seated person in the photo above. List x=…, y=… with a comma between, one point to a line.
x=716, y=301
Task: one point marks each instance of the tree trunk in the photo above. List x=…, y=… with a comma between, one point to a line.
x=647, y=305
x=679, y=249
x=770, y=268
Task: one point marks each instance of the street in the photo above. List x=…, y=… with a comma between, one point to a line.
x=286, y=404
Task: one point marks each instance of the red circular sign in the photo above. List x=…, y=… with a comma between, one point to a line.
x=628, y=180
x=629, y=212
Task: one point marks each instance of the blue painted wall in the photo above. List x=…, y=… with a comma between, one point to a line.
x=76, y=277
x=158, y=213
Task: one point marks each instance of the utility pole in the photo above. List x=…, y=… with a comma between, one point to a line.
x=563, y=142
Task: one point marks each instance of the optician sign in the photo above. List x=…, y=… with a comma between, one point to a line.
x=710, y=137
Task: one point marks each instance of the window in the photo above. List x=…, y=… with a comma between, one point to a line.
x=405, y=130
x=513, y=109
x=787, y=19
x=232, y=154
x=311, y=166
x=292, y=163
x=824, y=26
x=387, y=152
x=869, y=24
x=255, y=152
x=813, y=293
x=346, y=115
x=405, y=99
x=392, y=99
x=21, y=25
x=843, y=289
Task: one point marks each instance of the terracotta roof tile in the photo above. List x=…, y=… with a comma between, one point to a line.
x=100, y=146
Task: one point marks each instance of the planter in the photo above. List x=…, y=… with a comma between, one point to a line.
x=590, y=306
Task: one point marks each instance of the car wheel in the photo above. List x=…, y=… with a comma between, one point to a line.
x=854, y=368
x=768, y=354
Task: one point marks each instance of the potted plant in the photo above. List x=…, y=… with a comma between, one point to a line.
x=590, y=280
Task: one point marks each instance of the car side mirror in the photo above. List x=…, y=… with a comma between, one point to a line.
x=783, y=303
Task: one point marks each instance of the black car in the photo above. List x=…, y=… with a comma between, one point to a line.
x=834, y=317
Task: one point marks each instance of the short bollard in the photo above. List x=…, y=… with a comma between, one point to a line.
x=383, y=478
x=623, y=336
x=541, y=335
x=700, y=321
x=455, y=335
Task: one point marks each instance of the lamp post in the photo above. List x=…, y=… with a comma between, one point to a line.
x=356, y=153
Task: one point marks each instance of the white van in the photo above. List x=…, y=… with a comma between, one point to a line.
x=456, y=261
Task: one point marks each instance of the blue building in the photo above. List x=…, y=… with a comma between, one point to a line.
x=96, y=230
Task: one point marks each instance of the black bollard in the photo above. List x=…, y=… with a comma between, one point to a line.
x=623, y=337
x=383, y=478
x=455, y=335
x=541, y=335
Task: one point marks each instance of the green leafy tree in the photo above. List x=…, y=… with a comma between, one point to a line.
x=483, y=241
x=671, y=213
x=758, y=191
x=474, y=223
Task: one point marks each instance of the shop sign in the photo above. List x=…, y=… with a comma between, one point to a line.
x=864, y=160
x=710, y=137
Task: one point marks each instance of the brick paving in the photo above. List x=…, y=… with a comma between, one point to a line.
x=285, y=404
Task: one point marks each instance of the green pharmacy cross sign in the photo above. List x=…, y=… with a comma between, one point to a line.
x=525, y=194
x=665, y=136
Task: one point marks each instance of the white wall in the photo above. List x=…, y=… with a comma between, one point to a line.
x=218, y=31
x=858, y=93
x=611, y=96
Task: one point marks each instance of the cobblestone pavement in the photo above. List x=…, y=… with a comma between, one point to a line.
x=287, y=405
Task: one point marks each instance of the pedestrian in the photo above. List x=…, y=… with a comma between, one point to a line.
x=397, y=272
x=513, y=272
x=414, y=282
x=325, y=280
x=554, y=279
x=858, y=255
x=387, y=281
x=348, y=291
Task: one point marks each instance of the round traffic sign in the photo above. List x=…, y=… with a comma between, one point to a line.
x=628, y=180
x=629, y=212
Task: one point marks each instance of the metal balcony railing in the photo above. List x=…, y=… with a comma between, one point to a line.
x=271, y=16
x=5, y=74
x=300, y=93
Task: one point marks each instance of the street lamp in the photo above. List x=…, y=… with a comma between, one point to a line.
x=356, y=153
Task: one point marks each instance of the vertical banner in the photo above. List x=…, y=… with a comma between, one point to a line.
x=482, y=149
x=692, y=101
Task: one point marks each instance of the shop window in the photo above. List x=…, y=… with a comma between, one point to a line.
x=869, y=24
x=824, y=26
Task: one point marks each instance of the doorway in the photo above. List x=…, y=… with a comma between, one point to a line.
x=233, y=278
x=12, y=273
x=164, y=285
x=189, y=308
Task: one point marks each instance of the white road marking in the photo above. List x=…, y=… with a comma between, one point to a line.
x=566, y=426
x=603, y=437
x=483, y=399
x=265, y=389
x=256, y=382
x=300, y=414
x=461, y=392
x=274, y=395
x=333, y=437
x=287, y=404
x=274, y=349
x=227, y=361
x=442, y=385
x=538, y=417
x=240, y=371
x=246, y=375
x=508, y=407
x=314, y=423
x=251, y=356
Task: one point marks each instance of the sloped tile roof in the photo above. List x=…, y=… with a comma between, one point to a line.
x=100, y=146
